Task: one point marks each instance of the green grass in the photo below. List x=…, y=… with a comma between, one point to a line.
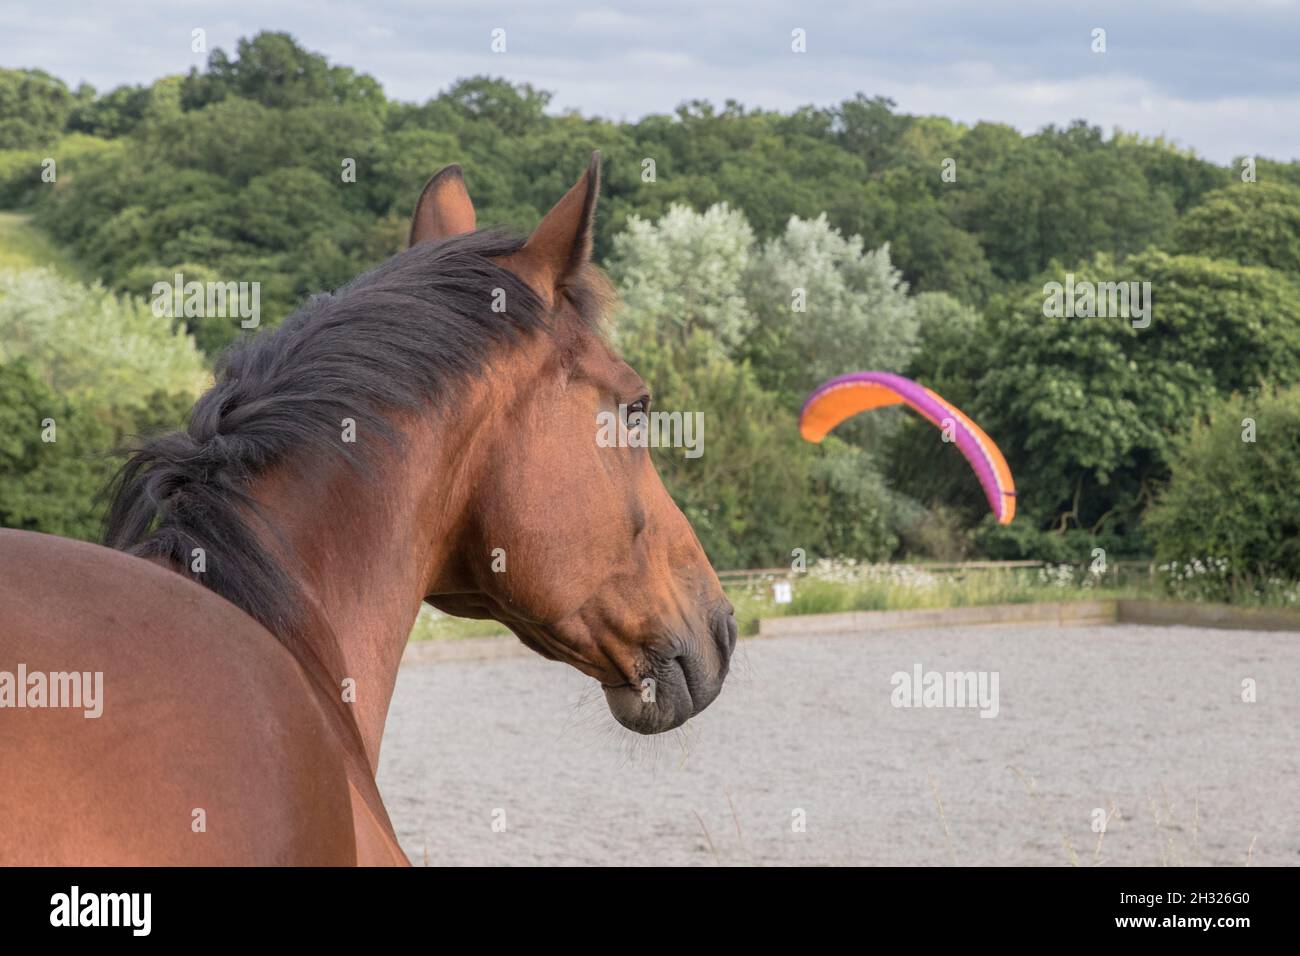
x=24, y=246
x=867, y=589
x=433, y=625
x=903, y=592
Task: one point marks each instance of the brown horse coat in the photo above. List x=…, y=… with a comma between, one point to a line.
x=207, y=719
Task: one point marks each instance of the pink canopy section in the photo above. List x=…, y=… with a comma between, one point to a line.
x=844, y=396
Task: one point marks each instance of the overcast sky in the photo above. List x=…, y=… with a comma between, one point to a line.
x=1221, y=76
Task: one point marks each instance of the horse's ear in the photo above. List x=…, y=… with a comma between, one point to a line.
x=443, y=209
x=561, y=243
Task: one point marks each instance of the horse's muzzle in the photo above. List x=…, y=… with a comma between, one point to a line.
x=677, y=687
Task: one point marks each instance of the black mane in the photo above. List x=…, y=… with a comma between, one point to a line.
x=399, y=337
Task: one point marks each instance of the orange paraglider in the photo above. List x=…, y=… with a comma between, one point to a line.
x=847, y=395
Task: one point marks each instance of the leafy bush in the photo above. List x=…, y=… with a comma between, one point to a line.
x=52, y=464
x=81, y=371
x=1025, y=541
x=92, y=346
x=20, y=175
x=1233, y=499
x=74, y=155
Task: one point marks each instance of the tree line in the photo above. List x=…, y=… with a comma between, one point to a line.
x=756, y=253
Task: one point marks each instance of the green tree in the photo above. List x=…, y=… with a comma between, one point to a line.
x=272, y=69
x=53, y=461
x=513, y=109
x=1256, y=224
x=112, y=114
x=1231, y=495
x=1086, y=409
x=1061, y=194
x=685, y=274
x=824, y=306
x=692, y=286
x=34, y=107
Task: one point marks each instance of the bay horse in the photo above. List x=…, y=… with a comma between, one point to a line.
x=426, y=433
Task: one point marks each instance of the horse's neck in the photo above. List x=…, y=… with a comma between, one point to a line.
x=362, y=550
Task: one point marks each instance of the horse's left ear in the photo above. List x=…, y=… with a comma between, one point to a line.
x=561, y=243
x=443, y=209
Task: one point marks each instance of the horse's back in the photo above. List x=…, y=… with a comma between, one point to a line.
x=200, y=743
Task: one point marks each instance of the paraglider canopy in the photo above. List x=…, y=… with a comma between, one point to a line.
x=847, y=395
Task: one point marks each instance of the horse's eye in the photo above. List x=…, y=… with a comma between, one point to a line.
x=640, y=406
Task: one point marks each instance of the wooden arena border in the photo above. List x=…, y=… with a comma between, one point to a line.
x=1063, y=613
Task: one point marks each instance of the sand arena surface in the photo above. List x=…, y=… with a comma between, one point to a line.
x=1145, y=723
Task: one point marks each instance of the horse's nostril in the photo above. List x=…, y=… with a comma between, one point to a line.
x=725, y=632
